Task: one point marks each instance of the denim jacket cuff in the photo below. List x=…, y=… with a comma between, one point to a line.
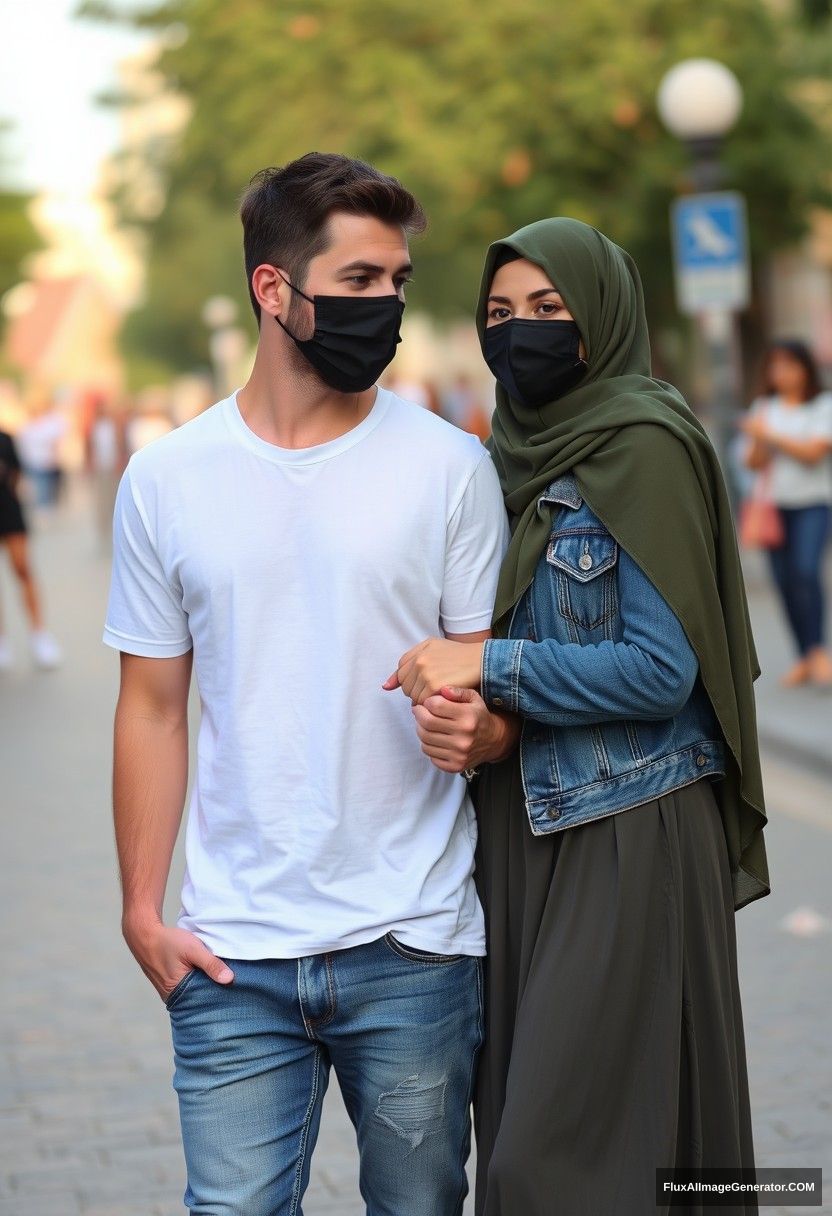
x=500, y=676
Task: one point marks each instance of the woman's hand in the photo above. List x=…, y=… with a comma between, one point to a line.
x=458, y=731
x=434, y=663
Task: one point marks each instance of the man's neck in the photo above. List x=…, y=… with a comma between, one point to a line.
x=291, y=408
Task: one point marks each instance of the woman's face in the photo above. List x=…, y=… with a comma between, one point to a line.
x=523, y=290
x=786, y=374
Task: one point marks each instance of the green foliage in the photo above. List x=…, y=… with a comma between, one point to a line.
x=494, y=114
x=18, y=236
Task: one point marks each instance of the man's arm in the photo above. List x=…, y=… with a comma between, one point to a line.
x=150, y=777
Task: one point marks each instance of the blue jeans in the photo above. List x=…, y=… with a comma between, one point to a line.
x=402, y=1029
x=797, y=567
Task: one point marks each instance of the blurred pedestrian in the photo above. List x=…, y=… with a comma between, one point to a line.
x=45, y=650
x=39, y=445
x=462, y=405
x=417, y=391
x=149, y=420
x=790, y=432
x=105, y=459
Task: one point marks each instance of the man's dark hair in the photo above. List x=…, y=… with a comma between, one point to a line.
x=800, y=352
x=285, y=211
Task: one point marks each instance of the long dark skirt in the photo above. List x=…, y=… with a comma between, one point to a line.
x=614, y=1040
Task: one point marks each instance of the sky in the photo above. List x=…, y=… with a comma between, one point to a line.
x=51, y=67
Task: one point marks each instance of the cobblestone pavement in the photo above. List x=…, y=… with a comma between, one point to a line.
x=88, y=1123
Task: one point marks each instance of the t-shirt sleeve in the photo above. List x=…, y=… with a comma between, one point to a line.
x=145, y=615
x=477, y=538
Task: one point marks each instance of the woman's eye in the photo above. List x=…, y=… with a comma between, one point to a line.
x=499, y=314
x=549, y=307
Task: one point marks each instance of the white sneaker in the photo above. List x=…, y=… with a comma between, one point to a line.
x=45, y=649
x=6, y=656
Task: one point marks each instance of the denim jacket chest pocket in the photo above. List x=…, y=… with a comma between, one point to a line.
x=583, y=561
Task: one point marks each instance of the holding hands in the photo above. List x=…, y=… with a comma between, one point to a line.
x=455, y=726
x=434, y=664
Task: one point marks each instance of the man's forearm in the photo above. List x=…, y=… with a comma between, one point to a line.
x=150, y=778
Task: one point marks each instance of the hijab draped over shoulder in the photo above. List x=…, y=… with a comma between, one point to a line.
x=647, y=469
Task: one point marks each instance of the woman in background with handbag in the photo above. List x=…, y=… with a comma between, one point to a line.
x=789, y=512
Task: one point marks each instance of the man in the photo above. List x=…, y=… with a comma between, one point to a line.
x=291, y=542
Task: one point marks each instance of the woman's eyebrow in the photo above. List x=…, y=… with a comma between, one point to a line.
x=534, y=295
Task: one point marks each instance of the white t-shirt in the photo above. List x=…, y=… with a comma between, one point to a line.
x=39, y=440
x=791, y=483
x=300, y=576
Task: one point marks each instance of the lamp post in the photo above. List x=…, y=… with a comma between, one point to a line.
x=699, y=101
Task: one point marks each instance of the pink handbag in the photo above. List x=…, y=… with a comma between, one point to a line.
x=760, y=521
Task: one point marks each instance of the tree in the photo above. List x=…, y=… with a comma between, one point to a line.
x=18, y=236
x=494, y=114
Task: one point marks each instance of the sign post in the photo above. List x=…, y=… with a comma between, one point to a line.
x=711, y=265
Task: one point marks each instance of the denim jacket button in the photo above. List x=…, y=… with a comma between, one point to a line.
x=585, y=561
x=552, y=812
x=496, y=700
x=701, y=761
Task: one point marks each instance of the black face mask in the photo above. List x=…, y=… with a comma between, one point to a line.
x=535, y=361
x=354, y=339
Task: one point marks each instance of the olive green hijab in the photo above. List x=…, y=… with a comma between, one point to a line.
x=645, y=466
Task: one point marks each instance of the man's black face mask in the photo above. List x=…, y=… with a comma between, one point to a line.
x=355, y=338
x=535, y=361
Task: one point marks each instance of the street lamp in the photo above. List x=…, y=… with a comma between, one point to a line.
x=699, y=101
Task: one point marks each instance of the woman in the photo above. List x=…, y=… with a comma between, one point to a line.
x=618, y=839
x=45, y=649
x=790, y=428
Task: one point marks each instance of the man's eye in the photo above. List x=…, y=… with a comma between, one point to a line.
x=363, y=279
x=403, y=282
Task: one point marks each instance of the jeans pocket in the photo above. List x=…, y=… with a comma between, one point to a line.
x=174, y=996
x=414, y=955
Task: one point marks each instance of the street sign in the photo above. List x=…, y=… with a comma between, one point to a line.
x=710, y=252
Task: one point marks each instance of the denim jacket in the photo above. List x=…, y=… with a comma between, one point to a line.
x=598, y=666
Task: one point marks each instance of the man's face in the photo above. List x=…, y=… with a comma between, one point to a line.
x=364, y=257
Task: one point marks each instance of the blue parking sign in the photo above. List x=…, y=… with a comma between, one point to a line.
x=710, y=252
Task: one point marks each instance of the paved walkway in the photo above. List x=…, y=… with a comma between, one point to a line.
x=88, y=1123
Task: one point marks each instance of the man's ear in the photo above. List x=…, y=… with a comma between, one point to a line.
x=270, y=290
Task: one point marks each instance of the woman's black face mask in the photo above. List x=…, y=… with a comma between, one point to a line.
x=354, y=340
x=535, y=361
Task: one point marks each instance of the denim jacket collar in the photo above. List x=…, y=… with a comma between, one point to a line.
x=563, y=490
